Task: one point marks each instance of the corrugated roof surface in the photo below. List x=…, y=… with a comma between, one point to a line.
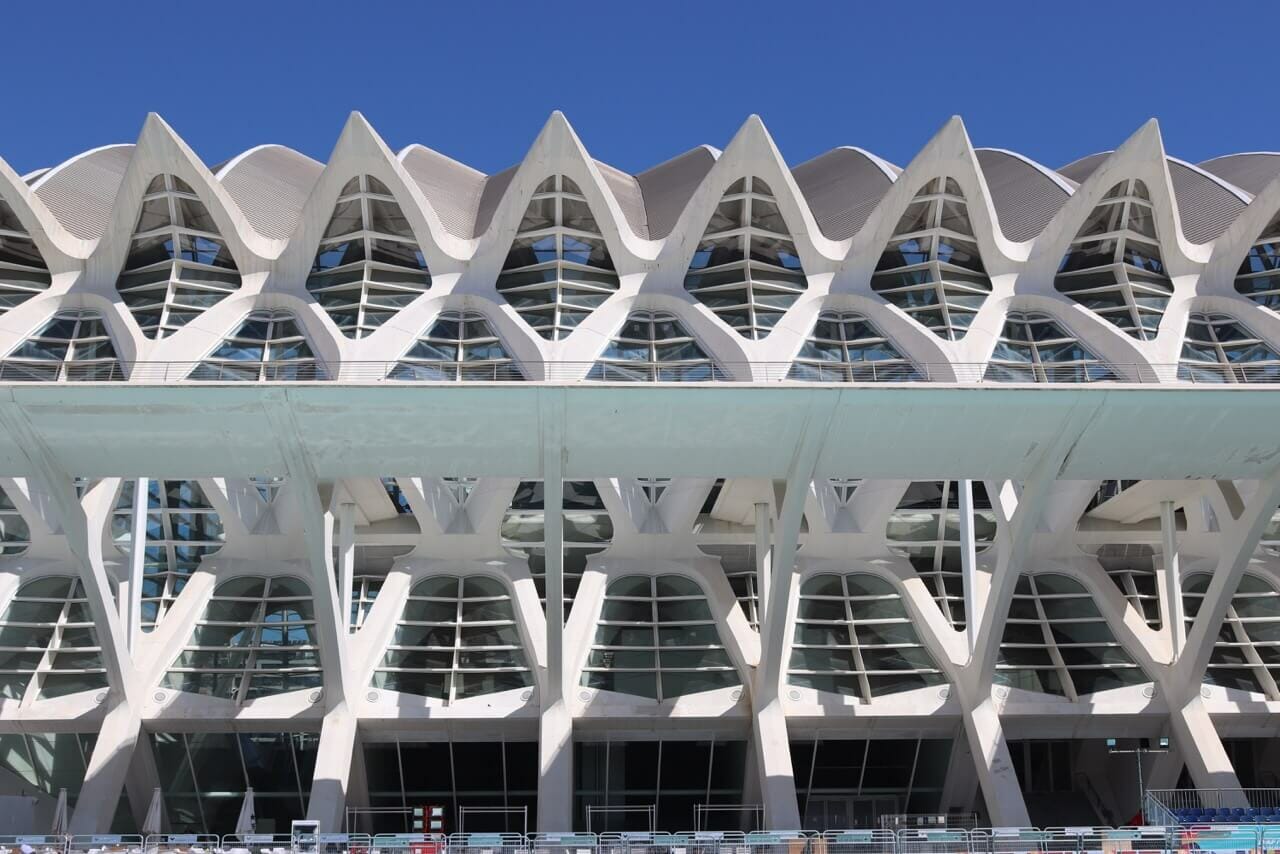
x=1205, y=206
x=490, y=197
x=842, y=186
x=1250, y=172
x=453, y=189
x=626, y=189
x=1081, y=169
x=81, y=192
x=1024, y=196
x=271, y=185
x=667, y=187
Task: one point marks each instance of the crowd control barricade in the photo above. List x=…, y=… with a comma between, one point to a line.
x=105, y=843
x=181, y=843
x=1011, y=840
x=1227, y=839
x=487, y=843
x=711, y=842
x=258, y=843
x=637, y=842
x=409, y=843
x=855, y=842
x=563, y=843
x=39, y=844
x=343, y=843
x=933, y=841
x=777, y=842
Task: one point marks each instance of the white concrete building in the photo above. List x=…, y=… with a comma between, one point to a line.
x=883, y=489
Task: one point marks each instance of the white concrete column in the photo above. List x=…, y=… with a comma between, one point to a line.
x=143, y=781
x=969, y=564
x=328, y=801
x=346, y=557
x=764, y=568
x=960, y=788
x=107, y=770
x=996, y=775
x=555, y=723
x=1169, y=581
x=131, y=590
x=1198, y=742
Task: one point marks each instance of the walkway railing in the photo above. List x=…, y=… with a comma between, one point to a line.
x=1251, y=838
x=362, y=372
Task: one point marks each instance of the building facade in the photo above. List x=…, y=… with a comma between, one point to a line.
x=726, y=494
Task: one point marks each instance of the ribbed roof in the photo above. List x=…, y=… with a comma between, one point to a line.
x=81, y=191
x=667, y=187
x=1025, y=194
x=271, y=184
x=1206, y=204
x=842, y=187
x=1079, y=170
x=626, y=189
x=490, y=197
x=1250, y=172
x=453, y=189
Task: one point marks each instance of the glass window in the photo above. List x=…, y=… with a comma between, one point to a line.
x=182, y=527
x=846, y=347
x=559, y=268
x=931, y=267
x=1217, y=348
x=255, y=638
x=267, y=346
x=1057, y=642
x=178, y=264
x=369, y=264
x=588, y=530
x=1246, y=654
x=654, y=347
x=739, y=565
x=23, y=272
x=1132, y=567
x=1259, y=275
x=746, y=268
x=73, y=346
x=15, y=536
x=457, y=638
x=48, y=643
x=925, y=528
x=656, y=638
x=458, y=346
x=853, y=637
x=1112, y=268
x=1034, y=347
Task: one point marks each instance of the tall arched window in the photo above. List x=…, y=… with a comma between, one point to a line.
x=73, y=346
x=457, y=638
x=1034, y=348
x=1246, y=654
x=15, y=536
x=267, y=346
x=178, y=263
x=459, y=345
x=654, y=347
x=1114, y=266
x=932, y=268
x=1217, y=348
x=1057, y=642
x=558, y=269
x=853, y=636
x=48, y=642
x=746, y=268
x=256, y=638
x=656, y=638
x=846, y=347
x=1259, y=275
x=369, y=264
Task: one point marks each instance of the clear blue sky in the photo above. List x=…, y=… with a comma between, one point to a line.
x=639, y=81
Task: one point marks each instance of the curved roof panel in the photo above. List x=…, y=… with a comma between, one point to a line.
x=81, y=191
x=271, y=184
x=1025, y=194
x=1250, y=172
x=1206, y=203
x=842, y=187
x=1079, y=170
x=626, y=189
x=453, y=189
x=667, y=187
